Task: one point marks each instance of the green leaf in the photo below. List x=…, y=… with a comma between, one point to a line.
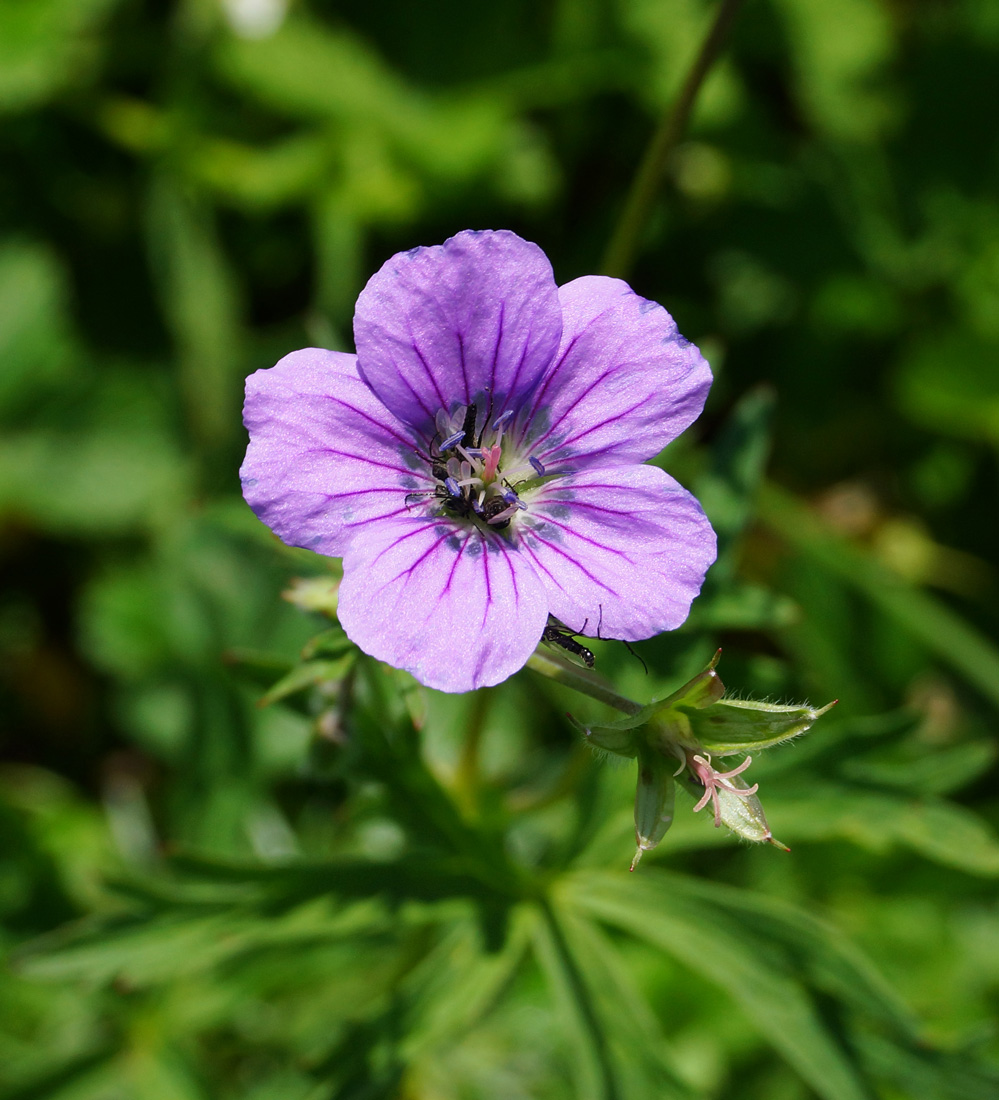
x=759, y=974
x=736, y=605
x=325, y=675
x=838, y=57
x=727, y=489
x=88, y=483
x=457, y=984
x=199, y=295
x=941, y=831
x=591, y=1068
x=65, y=1078
x=642, y=1063
x=948, y=383
x=36, y=346
x=940, y=630
x=44, y=46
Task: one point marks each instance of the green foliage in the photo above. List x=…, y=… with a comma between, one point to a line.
x=239, y=859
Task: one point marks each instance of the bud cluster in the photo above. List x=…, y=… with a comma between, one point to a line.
x=675, y=739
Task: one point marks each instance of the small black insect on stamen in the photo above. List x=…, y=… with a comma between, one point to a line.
x=455, y=504
x=555, y=634
x=493, y=507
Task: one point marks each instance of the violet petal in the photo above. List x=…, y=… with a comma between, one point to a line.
x=623, y=549
x=457, y=608
x=624, y=384
x=476, y=319
x=325, y=454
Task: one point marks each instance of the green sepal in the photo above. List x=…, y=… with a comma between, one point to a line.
x=742, y=725
x=669, y=720
x=654, y=800
x=618, y=738
x=703, y=690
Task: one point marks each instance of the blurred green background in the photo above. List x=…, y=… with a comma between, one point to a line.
x=368, y=890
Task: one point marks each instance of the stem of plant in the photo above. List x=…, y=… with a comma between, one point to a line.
x=582, y=681
x=620, y=254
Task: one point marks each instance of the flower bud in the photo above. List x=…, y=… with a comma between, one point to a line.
x=654, y=800
x=743, y=725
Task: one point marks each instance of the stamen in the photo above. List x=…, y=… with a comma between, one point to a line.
x=451, y=441
x=714, y=780
x=511, y=498
x=536, y=465
x=452, y=487
x=469, y=454
x=499, y=424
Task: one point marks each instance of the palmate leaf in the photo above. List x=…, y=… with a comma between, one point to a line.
x=457, y=983
x=929, y=1074
x=881, y=820
x=592, y=1072
x=421, y=876
x=639, y=1050
x=768, y=957
x=145, y=949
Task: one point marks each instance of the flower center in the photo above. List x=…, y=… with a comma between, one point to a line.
x=478, y=476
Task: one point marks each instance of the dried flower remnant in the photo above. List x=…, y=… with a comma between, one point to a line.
x=479, y=463
x=714, y=781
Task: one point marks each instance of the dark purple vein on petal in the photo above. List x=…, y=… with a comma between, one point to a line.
x=489, y=586
x=549, y=378
x=602, y=424
x=454, y=565
x=575, y=561
x=496, y=348
x=388, y=429
x=461, y=363
x=429, y=373
x=332, y=451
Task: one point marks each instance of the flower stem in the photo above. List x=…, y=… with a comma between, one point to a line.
x=620, y=254
x=583, y=681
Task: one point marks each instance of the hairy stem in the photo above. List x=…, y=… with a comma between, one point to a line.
x=621, y=251
x=582, y=681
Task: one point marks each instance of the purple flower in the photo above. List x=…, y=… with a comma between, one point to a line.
x=478, y=463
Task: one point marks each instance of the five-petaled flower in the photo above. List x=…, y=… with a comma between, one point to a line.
x=478, y=463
